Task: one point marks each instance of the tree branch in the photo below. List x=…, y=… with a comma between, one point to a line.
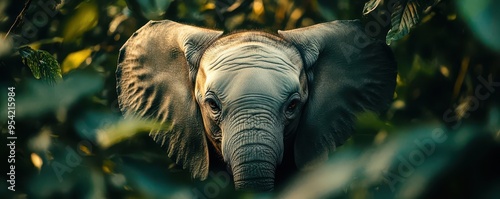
x=18, y=18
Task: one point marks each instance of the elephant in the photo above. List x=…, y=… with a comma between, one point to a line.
x=258, y=99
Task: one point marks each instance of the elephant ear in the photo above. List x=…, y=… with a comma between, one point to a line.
x=155, y=80
x=348, y=72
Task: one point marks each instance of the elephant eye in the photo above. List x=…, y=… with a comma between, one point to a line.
x=213, y=104
x=291, y=107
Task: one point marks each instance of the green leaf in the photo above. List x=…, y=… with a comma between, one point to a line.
x=126, y=129
x=42, y=64
x=83, y=19
x=412, y=164
x=75, y=59
x=38, y=98
x=370, y=6
x=406, y=15
x=369, y=120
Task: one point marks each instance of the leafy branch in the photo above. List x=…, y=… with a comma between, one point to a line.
x=406, y=14
x=41, y=63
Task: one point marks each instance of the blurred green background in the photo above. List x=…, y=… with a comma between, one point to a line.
x=439, y=139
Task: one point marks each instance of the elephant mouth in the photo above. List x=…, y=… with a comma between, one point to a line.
x=255, y=184
x=254, y=176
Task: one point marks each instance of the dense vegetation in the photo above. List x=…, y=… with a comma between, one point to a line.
x=441, y=136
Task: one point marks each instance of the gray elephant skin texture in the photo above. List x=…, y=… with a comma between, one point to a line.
x=262, y=104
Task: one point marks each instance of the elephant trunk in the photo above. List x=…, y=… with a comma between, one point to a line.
x=256, y=172
x=254, y=156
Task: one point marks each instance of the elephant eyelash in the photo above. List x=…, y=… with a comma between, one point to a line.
x=214, y=105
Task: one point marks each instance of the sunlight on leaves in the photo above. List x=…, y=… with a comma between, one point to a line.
x=42, y=141
x=398, y=104
x=75, y=59
x=85, y=149
x=370, y=6
x=36, y=160
x=369, y=120
x=108, y=166
x=124, y=129
x=258, y=7
x=84, y=18
x=324, y=181
x=36, y=45
x=444, y=70
x=380, y=137
x=42, y=64
x=421, y=67
x=6, y=46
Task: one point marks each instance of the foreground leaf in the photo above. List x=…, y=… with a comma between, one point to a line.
x=125, y=129
x=84, y=18
x=75, y=59
x=370, y=6
x=38, y=99
x=482, y=18
x=42, y=64
x=419, y=163
x=405, y=16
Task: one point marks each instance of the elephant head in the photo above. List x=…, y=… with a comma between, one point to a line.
x=249, y=94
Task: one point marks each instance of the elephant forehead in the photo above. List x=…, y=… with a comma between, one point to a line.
x=253, y=83
x=255, y=48
x=249, y=55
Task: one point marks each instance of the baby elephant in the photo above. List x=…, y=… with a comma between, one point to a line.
x=255, y=96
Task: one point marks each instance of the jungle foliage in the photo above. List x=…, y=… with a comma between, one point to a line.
x=439, y=139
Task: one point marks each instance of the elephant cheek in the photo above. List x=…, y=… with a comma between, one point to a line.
x=253, y=158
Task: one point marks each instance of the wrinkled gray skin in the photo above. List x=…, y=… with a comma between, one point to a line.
x=258, y=90
x=250, y=94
